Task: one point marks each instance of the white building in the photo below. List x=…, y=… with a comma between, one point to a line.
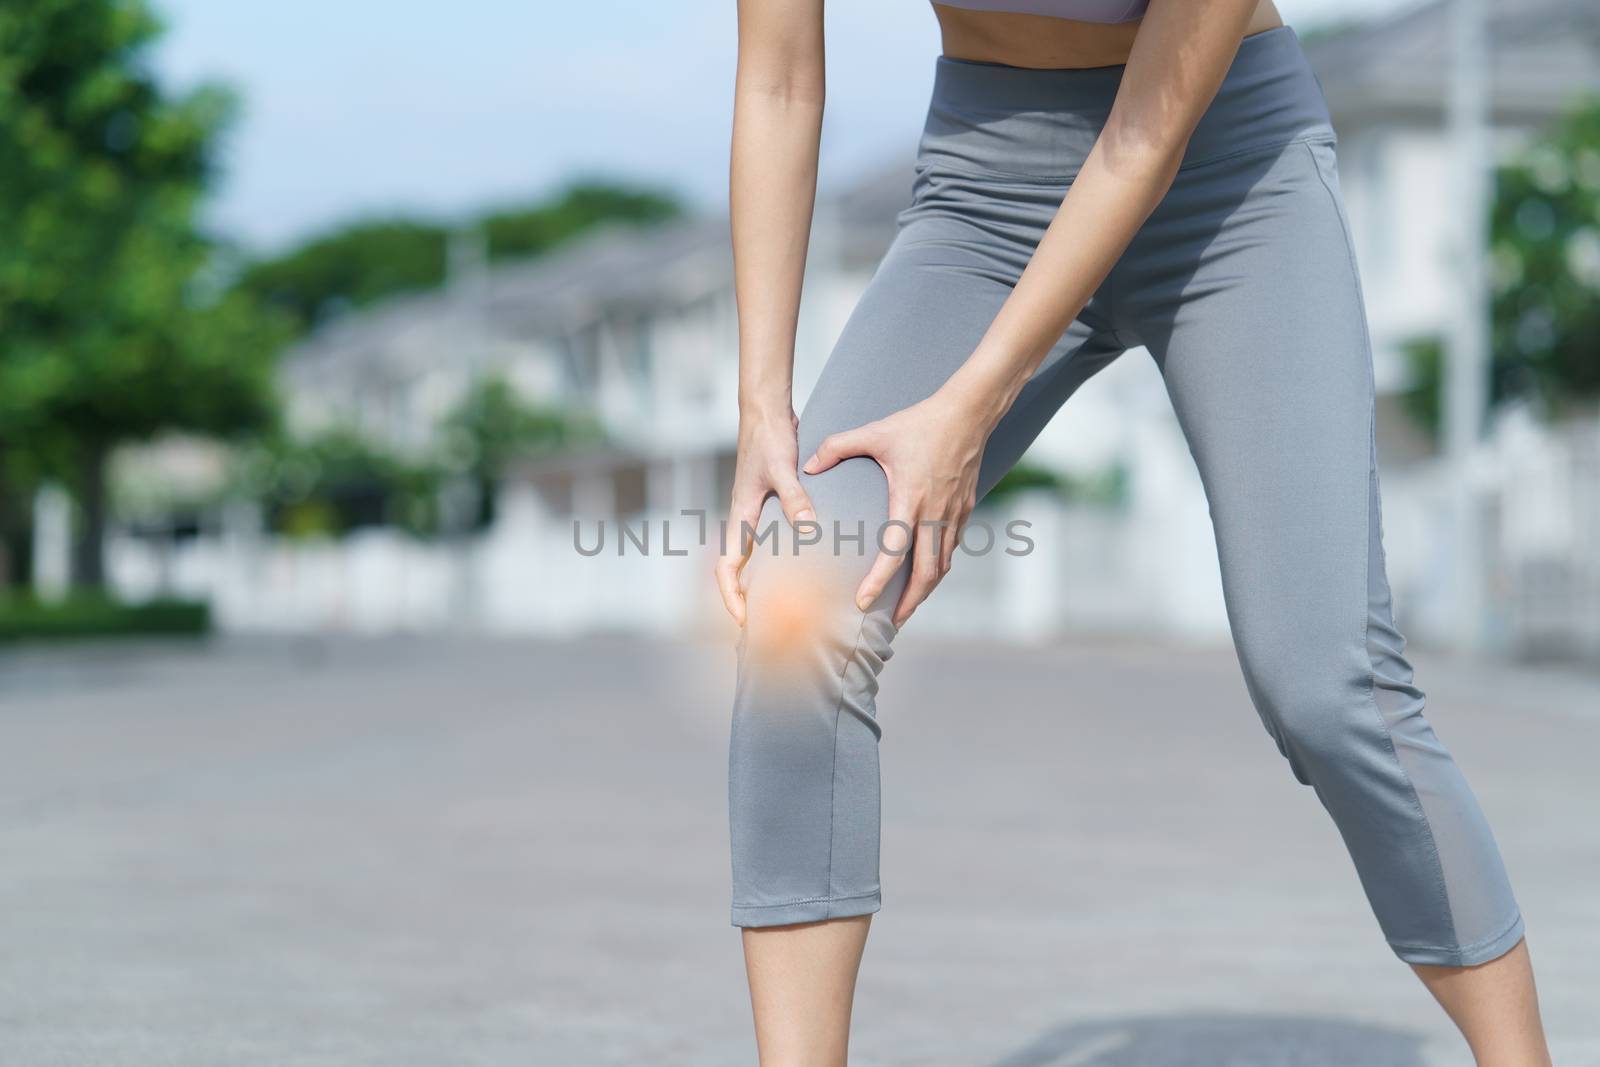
x=638, y=326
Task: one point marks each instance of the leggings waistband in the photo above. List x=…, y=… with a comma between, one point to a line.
x=997, y=119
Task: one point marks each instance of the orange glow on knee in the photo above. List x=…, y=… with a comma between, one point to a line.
x=788, y=613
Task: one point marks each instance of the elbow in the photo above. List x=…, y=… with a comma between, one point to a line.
x=790, y=77
x=1138, y=154
x=788, y=96
x=786, y=93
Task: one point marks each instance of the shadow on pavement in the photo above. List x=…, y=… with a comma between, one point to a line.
x=1219, y=1041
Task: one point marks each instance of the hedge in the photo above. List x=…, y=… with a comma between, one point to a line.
x=89, y=615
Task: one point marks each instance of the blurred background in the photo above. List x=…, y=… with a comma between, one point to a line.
x=329, y=331
x=342, y=331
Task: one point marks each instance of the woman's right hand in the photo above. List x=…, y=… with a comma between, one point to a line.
x=767, y=463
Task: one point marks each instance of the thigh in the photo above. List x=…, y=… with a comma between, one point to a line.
x=1245, y=288
x=926, y=308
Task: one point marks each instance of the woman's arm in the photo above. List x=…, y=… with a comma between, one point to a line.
x=1181, y=54
x=772, y=186
x=931, y=450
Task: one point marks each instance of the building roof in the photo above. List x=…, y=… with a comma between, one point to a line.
x=617, y=266
x=1545, y=55
x=672, y=264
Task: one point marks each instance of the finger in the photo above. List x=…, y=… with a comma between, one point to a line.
x=796, y=504
x=837, y=446
x=743, y=512
x=925, y=572
x=896, y=544
x=924, y=576
x=952, y=538
x=727, y=572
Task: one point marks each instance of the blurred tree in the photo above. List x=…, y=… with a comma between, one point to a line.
x=349, y=268
x=109, y=330
x=1107, y=487
x=1425, y=358
x=493, y=425
x=1545, y=234
x=530, y=231
x=1025, y=476
x=366, y=262
x=335, y=482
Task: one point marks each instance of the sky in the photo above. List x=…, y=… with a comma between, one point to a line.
x=365, y=108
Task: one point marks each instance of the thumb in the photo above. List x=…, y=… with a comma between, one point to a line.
x=837, y=446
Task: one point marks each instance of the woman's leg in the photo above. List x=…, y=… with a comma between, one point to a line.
x=802, y=985
x=1262, y=343
x=803, y=758
x=1495, y=1006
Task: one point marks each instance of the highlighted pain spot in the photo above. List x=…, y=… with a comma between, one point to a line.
x=789, y=606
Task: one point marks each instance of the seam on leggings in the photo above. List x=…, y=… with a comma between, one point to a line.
x=1366, y=614
x=1372, y=699
x=836, y=900
x=1016, y=178
x=833, y=770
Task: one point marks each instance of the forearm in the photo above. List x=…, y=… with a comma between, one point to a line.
x=1096, y=220
x=772, y=192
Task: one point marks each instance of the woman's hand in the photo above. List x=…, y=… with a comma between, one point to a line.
x=765, y=465
x=930, y=452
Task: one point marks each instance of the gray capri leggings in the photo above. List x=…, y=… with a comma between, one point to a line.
x=1243, y=286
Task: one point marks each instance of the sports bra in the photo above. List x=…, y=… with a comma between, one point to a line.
x=1078, y=10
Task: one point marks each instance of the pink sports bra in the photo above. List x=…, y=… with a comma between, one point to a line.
x=1079, y=10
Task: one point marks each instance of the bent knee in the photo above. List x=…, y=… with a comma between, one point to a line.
x=805, y=634
x=793, y=601
x=1318, y=708
x=801, y=581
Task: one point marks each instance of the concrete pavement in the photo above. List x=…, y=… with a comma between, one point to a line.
x=437, y=852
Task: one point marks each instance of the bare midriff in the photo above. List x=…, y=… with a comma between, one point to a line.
x=1043, y=41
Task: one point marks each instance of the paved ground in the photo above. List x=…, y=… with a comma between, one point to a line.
x=431, y=853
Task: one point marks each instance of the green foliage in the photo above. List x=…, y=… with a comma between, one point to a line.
x=1107, y=487
x=87, y=614
x=1545, y=242
x=1025, y=476
x=1423, y=398
x=106, y=335
x=350, y=268
x=366, y=262
x=98, y=241
x=493, y=425
x=337, y=482
x=531, y=231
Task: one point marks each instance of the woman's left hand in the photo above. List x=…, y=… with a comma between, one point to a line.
x=930, y=452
